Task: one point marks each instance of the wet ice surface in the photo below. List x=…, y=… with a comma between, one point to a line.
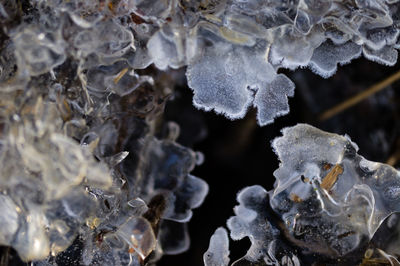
x=326, y=200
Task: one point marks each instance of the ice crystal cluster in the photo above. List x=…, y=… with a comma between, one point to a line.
x=234, y=49
x=82, y=171
x=327, y=200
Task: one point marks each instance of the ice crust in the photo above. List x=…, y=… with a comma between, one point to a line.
x=327, y=200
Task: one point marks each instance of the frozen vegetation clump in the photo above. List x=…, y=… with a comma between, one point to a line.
x=90, y=173
x=327, y=200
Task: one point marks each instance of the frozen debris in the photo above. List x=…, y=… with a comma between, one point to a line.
x=43, y=178
x=328, y=205
x=329, y=197
x=218, y=251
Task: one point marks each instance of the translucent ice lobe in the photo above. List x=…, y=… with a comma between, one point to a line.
x=251, y=221
x=167, y=50
x=174, y=237
x=137, y=233
x=386, y=56
x=218, y=251
x=168, y=174
x=327, y=56
x=272, y=101
x=292, y=50
x=251, y=200
x=323, y=183
x=219, y=83
x=38, y=51
x=31, y=242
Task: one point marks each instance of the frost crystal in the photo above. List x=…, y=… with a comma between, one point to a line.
x=327, y=200
x=233, y=49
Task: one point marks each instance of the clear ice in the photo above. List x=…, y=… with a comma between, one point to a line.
x=327, y=200
x=84, y=167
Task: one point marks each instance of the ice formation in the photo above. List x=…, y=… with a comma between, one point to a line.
x=349, y=195
x=326, y=200
x=234, y=49
x=218, y=253
x=88, y=166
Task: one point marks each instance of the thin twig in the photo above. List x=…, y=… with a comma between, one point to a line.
x=120, y=75
x=359, y=97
